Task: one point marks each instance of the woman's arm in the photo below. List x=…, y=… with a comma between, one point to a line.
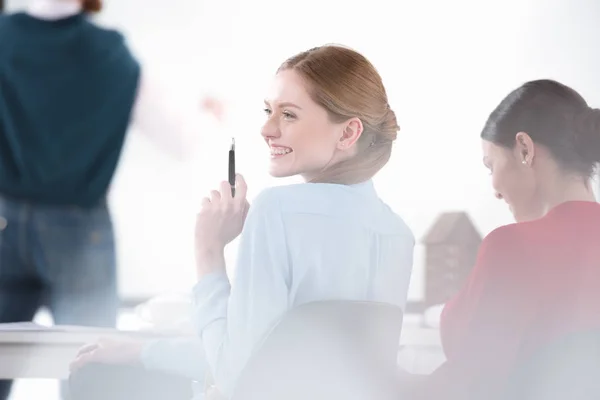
x=483, y=325
x=233, y=319
x=182, y=356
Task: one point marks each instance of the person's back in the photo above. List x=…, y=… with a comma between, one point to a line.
x=535, y=282
x=67, y=93
x=343, y=243
x=327, y=119
x=561, y=261
x=68, y=89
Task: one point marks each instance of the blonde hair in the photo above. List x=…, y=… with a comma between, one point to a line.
x=347, y=85
x=92, y=6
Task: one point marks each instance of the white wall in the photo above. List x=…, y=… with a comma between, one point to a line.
x=446, y=64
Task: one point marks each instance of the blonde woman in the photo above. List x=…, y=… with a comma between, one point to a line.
x=329, y=121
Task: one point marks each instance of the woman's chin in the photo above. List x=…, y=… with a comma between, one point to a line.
x=280, y=173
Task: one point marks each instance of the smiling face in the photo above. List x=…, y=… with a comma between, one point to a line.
x=513, y=180
x=302, y=138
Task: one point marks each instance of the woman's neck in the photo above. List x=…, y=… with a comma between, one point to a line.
x=568, y=189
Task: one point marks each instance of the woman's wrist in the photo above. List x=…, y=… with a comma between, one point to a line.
x=210, y=259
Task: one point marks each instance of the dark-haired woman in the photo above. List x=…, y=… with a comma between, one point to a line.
x=68, y=92
x=538, y=280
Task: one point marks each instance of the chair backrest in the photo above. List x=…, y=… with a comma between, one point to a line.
x=98, y=381
x=567, y=369
x=326, y=350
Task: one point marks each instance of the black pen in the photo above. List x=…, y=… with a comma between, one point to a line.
x=232, y=167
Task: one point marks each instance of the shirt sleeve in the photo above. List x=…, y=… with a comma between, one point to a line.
x=182, y=356
x=481, y=328
x=173, y=121
x=232, y=320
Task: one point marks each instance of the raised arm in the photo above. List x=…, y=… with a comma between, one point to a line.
x=233, y=319
x=175, y=122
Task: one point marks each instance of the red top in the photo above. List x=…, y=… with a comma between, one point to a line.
x=533, y=282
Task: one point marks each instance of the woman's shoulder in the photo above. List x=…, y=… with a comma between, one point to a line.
x=513, y=247
x=518, y=233
x=108, y=34
x=503, y=233
x=503, y=242
x=301, y=195
x=545, y=233
x=354, y=205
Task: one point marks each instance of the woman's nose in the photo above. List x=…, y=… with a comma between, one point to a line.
x=270, y=130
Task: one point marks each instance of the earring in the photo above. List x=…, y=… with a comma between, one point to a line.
x=524, y=162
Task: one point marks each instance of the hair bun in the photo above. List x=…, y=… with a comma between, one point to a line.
x=92, y=5
x=389, y=126
x=587, y=129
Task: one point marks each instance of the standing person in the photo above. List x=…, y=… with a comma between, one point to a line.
x=69, y=92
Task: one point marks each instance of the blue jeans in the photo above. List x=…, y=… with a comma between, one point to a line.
x=59, y=257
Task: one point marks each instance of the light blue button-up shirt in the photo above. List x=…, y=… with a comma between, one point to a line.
x=300, y=243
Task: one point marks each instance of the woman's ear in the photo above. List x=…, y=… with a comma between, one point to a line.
x=352, y=129
x=525, y=148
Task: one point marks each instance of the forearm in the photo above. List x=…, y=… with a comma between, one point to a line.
x=172, y=120
x=211, y=296
x=181, y=356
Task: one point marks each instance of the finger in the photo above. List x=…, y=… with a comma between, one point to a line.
x=75, y=364
x=215, y=197
x=226, y=191
x=87, y=348
x=241, y=189
x=205, y=202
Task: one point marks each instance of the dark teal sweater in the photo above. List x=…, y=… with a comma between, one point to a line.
x=67, y=89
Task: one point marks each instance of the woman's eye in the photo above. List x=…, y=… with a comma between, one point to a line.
x=288, y=115
x=267, y=111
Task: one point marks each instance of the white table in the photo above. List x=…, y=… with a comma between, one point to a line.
x=38, y=352
x=46, y=353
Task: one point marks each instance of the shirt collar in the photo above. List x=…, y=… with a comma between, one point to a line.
x=364, y=187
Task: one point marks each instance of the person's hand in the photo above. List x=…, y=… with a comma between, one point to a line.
x=214, y=106
x=219, y=221
x=109, y=351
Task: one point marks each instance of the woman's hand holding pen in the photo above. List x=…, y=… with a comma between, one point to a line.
x=219, y=221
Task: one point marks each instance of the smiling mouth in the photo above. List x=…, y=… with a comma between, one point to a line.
x=280, y=151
